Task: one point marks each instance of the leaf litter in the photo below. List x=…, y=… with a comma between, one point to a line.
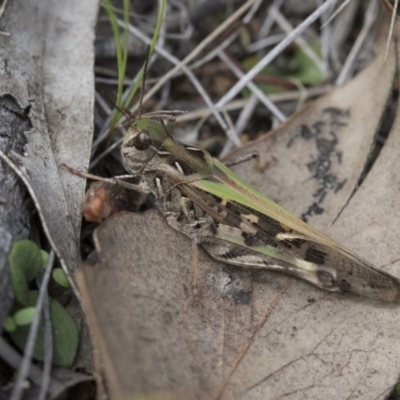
x=47, y=71
x=259, y=333
x=255, y=332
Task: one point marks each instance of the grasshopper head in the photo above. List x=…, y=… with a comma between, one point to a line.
x=141, y=143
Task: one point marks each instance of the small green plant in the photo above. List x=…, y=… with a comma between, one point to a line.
x=27, y=260
x=295, y=66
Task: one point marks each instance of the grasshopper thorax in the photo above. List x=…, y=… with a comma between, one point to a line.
x=141, y=143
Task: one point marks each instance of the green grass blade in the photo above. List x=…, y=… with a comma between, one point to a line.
x=121, y=50
x=160, y=18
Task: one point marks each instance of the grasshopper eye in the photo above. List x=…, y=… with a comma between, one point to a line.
x=141, y=141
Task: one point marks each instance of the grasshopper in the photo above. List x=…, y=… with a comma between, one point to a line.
x=235, y=223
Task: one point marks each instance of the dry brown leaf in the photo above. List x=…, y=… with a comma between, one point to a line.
x=260, y=334
x=48, y=71
x=15, y=208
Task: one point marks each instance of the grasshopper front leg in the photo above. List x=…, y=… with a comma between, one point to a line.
x=186, y=217
x=116, y=180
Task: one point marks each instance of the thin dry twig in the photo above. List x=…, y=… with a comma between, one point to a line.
x=350, y=63
x=235, y=138
x=392, y=22
x=33, y=331
x=304, y=46
x=48, y=346
x=275, y=52
x=196, y=83
x=245, y=115
x=247, y=111
x=192, y=78
x=265, y=42
x=335, y=13
x=200, y=47
x=269, y=20
x=254, y=88
x=325, y=39
x=2, y=9
x=102, y=103
x=239, y=104
x=14, y=360
x=253, y=4
x=226, y=42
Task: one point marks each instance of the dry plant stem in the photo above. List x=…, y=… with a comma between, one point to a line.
x=304, y=46
x=392, y=21
x=165, y=95
x=269, y=20
x=242, y=121
x=108, y=150
x=196, y=83
x=204, y=113
x=274, y=53
x=2, y=9
x=112, y=81
x=190, y=75
x=102, y=103
x=302, y=94
x=107, y=71
x=335, y=13
x=243, y=352
x=202, y=120
x=239, y=104
x=248, y=110
x=213, y=53
x=349, y=65
x=226, y=42
x=197, y=50
x=253, y=87
x=33, y=331
x=48, y=347
x=246, y=114
x=233, y=138
x=325, y=38
x=265, y=42
x=181, y=64
x=14, y=359
x=141, y=94
x=24, y=178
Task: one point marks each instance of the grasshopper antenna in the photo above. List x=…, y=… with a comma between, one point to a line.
x=125, y=112
x=122, y=110
x=146, y=62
